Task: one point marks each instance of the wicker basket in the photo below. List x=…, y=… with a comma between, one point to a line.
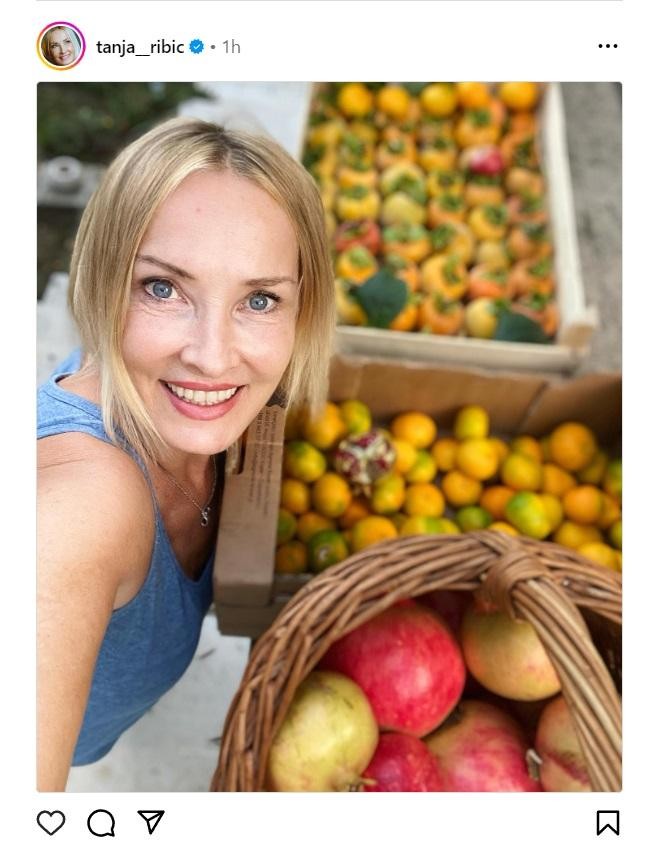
x=540, y=582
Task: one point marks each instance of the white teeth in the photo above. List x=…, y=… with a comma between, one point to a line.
x=201, y=397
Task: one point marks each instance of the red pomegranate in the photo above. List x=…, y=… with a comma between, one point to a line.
x=481, y=749
x=402, y=764
x=563, y=768
x=407, y=663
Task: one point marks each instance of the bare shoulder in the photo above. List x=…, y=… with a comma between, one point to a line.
x=92, y=501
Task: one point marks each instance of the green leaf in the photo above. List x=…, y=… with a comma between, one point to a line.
x=382, y=297
x=515, y=327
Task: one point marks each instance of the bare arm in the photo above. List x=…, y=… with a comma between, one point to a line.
x=91, y=501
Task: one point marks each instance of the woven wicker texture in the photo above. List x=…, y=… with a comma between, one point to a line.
x=540, y=582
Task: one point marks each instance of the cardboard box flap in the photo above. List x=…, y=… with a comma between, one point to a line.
x=389, y=388
x=593, y=399
x=244, y=563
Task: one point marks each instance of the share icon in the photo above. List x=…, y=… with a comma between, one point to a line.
x=151, y=818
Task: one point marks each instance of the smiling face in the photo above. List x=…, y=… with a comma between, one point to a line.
x=61, y=46
x=213, y=307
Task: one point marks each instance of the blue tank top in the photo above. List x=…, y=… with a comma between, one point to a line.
x=149, y=641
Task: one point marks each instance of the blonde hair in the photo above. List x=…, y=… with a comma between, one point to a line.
x=113, y=225
x=46, y=46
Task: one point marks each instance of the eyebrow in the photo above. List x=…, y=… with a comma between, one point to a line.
x=182, y=273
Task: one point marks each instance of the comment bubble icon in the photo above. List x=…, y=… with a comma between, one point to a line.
x=101, y=823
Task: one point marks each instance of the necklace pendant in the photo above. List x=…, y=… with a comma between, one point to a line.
x=204, y=517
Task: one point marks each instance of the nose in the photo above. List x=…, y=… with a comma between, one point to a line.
x=213, y=345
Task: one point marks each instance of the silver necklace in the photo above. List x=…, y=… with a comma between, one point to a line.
x=204, y=510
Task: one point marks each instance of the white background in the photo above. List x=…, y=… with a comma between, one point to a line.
x=315, y=41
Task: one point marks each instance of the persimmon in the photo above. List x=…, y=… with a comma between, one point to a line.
x=410, y=242
x=482, y=189
x=442, y=181
x=519, y=148
x=440, y=316
x=526, y=207
x=520, y=180
x=440, y=153
x=359, y=176
x=446, y=208
x=394, y=151
x=489, y=221
x=444, y=274
x=529, y=239
x=533, y=276
x=356, y=264
x=493, y=282
x=477, y=127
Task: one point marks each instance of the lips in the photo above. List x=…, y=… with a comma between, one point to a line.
x=194, y=403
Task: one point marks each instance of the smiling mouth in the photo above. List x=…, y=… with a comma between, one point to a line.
x=201, y=397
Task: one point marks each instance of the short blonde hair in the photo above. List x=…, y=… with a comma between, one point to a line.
x=113, y=225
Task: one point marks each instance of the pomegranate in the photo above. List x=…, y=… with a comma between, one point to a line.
x=506, y=656
x=480, y=749
x=407, y=663
x=327, y=738
x=563, y=768
x=402, y=764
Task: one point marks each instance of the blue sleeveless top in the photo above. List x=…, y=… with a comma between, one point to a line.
x=149, y=641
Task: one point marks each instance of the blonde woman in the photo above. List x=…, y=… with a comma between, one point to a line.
x=60, y=46
x=201, y=284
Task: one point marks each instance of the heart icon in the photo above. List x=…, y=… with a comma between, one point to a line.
x=51, y=821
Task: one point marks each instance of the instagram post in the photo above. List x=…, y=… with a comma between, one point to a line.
x=329, y=359
x=332, y=366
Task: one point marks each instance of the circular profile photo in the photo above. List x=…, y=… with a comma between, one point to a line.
x=60, y=45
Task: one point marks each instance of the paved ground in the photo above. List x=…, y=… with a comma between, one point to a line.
x=172, y=747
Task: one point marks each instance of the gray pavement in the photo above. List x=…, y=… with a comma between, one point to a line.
x=173, y=747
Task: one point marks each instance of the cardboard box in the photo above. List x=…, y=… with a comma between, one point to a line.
x=247, y=594
x=577, y=321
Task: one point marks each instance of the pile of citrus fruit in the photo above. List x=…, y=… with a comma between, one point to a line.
x=440, y=185
x=562, y=487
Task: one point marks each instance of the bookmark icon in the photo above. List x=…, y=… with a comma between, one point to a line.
x=151, y=818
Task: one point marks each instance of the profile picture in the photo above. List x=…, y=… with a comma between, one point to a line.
x=61, y=45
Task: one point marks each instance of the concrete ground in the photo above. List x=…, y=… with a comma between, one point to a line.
x=174, y=747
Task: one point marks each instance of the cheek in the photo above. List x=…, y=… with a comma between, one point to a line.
x=271, y=349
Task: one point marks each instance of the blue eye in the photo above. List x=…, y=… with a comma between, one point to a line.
x=159, y=288
x=259, y=302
